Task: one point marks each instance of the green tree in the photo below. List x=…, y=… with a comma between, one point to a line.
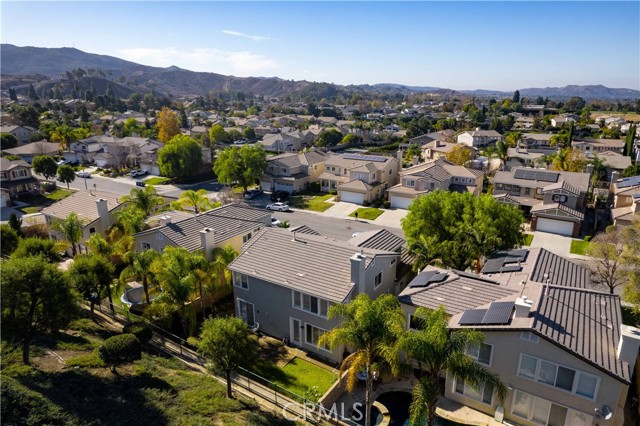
x=438, y=351
x=120, y=349
x=630, y=240
x=460, y=154
x=570, y=160
x=146, y=199
x=516, y=97
x=15, y=223
x=70, y=230
x=249, y=134
x=167, y=125
x=372, y=330
x=7, y=141
x=329, y=137
x=513, y=138
x=35, y=296
x=92, y=275
x=140, y=264
x=44, y=165
x=63, y=134
x=351, y=140
x=632, y=170
x=218, y=136
x=32, y=93
x=198, y=200
x=8, y=240
x=66, y=174
x=414, y=150
x=226, y=344
x=628, y=142
x=457, y=230
x=34, y=246
x=241, y=165
x=222, y=257
x=180, y=157
x=131, y=219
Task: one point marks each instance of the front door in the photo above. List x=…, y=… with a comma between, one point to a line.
x=295, y=331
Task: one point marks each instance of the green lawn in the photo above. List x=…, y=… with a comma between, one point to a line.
x=37, y=202
x=29, y=210
x=317, y=203
x=370, y=213
x=59, y=194
x=527, y=239
x=156, y=181
x=579, y=247
x=298, y=376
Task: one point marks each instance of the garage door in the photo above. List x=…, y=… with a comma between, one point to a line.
x=554, y=226
x=400, y=202
x=284, y=187
x=266, y=186
x=351, y=197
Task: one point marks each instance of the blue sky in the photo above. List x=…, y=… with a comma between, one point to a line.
x=458, y=45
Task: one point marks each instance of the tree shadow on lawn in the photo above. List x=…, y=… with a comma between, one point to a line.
x=102, y=400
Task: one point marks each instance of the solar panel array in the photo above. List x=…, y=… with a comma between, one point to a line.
x=516, y=255
x=360, y=157
x=505, y=262
x=499, y=313
x=630, y=181
x=532, y=174
x=423, y=279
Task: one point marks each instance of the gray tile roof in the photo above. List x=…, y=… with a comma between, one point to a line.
x=37, y=148
x=226, y=221
x=578, y=180
x=304, y=229
x=543, y=208
x=313, y=264
x=561, y=271
x=587, y=323
x=83, y=203
x=380, y=239
x=6, y=164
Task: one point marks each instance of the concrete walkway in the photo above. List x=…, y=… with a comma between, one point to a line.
x=557, y=244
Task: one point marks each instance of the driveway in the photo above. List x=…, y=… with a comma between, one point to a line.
x=341, y=210
x=557, y=244
x=391, y=218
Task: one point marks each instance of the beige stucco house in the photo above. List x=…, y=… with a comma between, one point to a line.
x=293, y=172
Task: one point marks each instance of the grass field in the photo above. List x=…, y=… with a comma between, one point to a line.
x=579, y=247
x=38, y=202
x=317, y=203
x=298, y=376
x=527, y=239
x=370, y=213
x=156, y=181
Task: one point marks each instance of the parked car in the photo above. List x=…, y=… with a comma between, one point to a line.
x=83, y=174
x=279, y=196
x=140, y=183
x=275, y=221
x=281, y=207
x=61, y=163
x=135, y=173
x=252, y=193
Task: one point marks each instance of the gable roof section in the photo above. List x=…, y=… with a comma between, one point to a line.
x=83, y=203
x=561, y=185
x=380, y=239
x=6, y=164
x=355, y=185
x=560, y=271
x=36, y=148
x=558, y=211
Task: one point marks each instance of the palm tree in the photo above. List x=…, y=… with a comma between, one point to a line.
x=62, y=134
x=71, y=230
x=140, y=268
x=131, y=219
x=222, y=257
x=438, y=350
x=144, y=199
x=196, y=199
x=372, y=329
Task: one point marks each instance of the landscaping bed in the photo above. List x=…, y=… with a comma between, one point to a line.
x=157, y=181
x=527, y=239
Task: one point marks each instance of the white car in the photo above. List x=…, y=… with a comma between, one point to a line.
x=135, y=173
x=281, y=207
x=83, y=174
x=275, y=221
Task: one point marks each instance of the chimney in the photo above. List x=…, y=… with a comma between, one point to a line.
x=629, y=344
x=415, y=160
x=165, y=220
x=207, y=241
x=103, y=213
x=523, y=307
x=358, y=272
x=399, y=155
x=615, y=175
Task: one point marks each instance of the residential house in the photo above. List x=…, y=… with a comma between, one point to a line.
x=554, y=199
x=591, y=146
x=280, y=143
x=562, y=121
x=22, y=133
x=614, y=162
x=626, y=201
x=15, y=179
x=359, y=178
x=538, y=142
x=85, y=150
x=434, y=175
x=96, y=209
x=293, y=172
x=519, y=156
x=442, y=136
x=479, y=138
x=285, y=283
x=30, y=150
x=229, y=225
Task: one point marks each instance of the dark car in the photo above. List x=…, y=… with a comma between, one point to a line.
x=279, y=196
x=252, y=193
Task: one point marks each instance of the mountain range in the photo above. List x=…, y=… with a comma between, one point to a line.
x=47, y=67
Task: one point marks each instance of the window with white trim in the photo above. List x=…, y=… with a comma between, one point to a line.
x=529, y=337
x=480, y=352
x=410, y=183
x=312, y=335
x=311, y=304
x=546, y=413
x=377, y=280
x=559, y=198
x=482, y=393
x=241, y=280
x=565, y=378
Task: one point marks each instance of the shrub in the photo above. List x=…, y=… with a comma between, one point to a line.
x=386, y=204
x=120, y=349
x=141, y=330
x=333, y=192
x=587, y=238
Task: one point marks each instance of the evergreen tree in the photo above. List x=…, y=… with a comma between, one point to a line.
x=15, y=223
x=516, y=97
x=628, y=144
x=12, y=94
x=32, y=93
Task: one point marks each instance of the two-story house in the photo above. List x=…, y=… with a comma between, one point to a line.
x=434, y=175
x=359, y=178
x=538, y=142
x=293, y=172
x=29, y=151
x=591, y=146
x=554, y=199
x=15, y=179
x=229, y=225
x=626, y=204
x=285, y=282
x=280, y=143
x=22, y=133
x=479, y=138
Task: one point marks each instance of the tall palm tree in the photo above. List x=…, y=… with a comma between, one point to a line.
x=71, y=230
x=144, y=199
x=198, y=200
x=131, y=219
x=63, y=134
x=372, y=330
x=222, y=257
x=436, y=351
x=140, y=268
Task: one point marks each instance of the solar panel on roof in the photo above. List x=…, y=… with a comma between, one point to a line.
x=630, y=181
x=423, y=279
x=493, y=266
x=516, y=255
x=360, y=157
x=472, y=317
x=529, y=174
x=547, y=176
x=498, y=313
x=511, y=268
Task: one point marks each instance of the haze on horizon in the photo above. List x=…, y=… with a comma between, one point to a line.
x=458, y=45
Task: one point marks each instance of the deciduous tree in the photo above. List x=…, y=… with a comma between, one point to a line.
x=34, y=246
x=167, y=125
x=7, y=141
x=460, y=154
x=120, y=349
x=329, y=137
x=180, y=157
x=66, y=174
x=241, y=165
x=8, y=240
x=92, y=275
x=44, y=165
x=606, y=264
x=218, y=136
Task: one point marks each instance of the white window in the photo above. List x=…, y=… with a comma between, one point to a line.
x=241, y=280
x=482, y=393
x=558, y=198
x=311, y=304
x=558, y=376
x=378, y=280
x=312, y=335
x=539, y=410
x=480, y=352
x=410, y=183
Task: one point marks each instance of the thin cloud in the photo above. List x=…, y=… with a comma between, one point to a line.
x=243, y=35
x=202, y=59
